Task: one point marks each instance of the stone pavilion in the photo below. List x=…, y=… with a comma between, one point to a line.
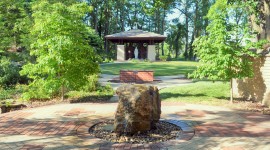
x=136, y=44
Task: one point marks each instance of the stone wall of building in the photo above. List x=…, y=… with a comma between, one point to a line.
x=151, y=52
x=258, y=87
x=121, y=53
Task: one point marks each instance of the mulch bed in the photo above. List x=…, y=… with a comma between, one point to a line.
x=165, y=131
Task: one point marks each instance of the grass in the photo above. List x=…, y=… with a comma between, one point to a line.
x=103, y=93
x=202, y=92
x=160, y=68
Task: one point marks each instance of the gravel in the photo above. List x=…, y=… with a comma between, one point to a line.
x=165, y=131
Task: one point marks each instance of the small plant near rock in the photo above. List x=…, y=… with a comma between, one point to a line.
x=135, y=60
x=163, y=58
x=107, y=60
x=9, y=105
x=146, y=60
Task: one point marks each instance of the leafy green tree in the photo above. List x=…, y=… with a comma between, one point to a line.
x=64, y=59
x=14, y=24
x=221, y=51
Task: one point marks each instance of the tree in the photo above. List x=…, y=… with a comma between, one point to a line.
x=221, y=51
x=14, y=24
x=259, y=12
x=64, y=58
x=175, y=38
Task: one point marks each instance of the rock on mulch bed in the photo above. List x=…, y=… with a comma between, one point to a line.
x=165, y=131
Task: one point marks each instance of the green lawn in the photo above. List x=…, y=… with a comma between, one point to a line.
x=202, y=92
x=160, y=68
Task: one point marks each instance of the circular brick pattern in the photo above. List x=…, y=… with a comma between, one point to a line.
x=186, y=134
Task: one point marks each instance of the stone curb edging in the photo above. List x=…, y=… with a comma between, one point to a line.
x=187, y=134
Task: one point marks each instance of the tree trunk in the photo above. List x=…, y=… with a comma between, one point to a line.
x=231, y=98
x=106, y=28
x=195, y=31
x=263, y=29
x=162, y=30
x=62, y=92
x=177, y=45
x=186, y=28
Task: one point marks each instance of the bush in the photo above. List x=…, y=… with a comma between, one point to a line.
x=102, y=94
x=44, y=91
x=35, y=92
x=105, y=90
x=146, y=60
x=135, y=60
x=163, y=58
x=9, y=73
x=169, y=57
x=11, y=92
x=92, y=83
x=107, y=60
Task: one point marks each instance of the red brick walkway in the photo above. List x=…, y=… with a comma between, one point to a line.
x=210, y=124
x=231, y=130
x=39, y=128
x=15, y=124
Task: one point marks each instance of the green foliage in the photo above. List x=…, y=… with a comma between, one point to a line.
x=102, y=93
x=5, y=93
x=64, y=60
x=9, y=72
x=252, y=7
x=147, y=60
x=11, y=92
x=221, y=52
x=163, y=58
x=107, y=60
x=14, y=24
x=106, y=90
x=135, y=60
x=92, y=83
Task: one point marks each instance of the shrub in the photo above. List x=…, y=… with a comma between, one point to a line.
x=36, y=92
x=135, y=60
x=103, y=93
x=105, y=90
x=107, y=60
x=9, y=73
x=11, y=92
x=169, y=57
x=146, y=60
x=163, y=58
x=92, y=83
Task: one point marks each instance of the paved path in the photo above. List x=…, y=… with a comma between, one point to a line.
x=165, y=81
x=63, y=127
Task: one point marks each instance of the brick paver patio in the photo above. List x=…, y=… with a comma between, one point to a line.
x=65, y=126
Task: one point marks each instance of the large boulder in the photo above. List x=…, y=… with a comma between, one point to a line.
x=139, y=108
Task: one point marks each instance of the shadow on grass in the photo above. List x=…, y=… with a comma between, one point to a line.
x=223, y=97
x=93, y=99
x=234, y=99
x=175, y=95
